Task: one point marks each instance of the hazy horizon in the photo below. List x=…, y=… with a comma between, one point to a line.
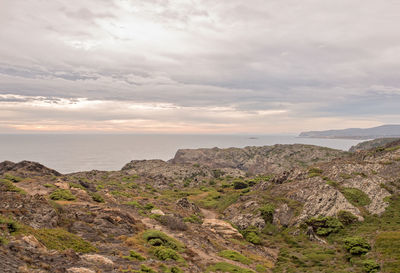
x=198, y=67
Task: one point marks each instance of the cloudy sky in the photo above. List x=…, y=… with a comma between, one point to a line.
x=198, y=66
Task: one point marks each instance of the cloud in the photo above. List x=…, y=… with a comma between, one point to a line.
x=265, y=66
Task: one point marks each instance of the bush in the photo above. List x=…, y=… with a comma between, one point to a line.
x=193, y=219
x=175, y=269
x=346, y=217
x=62, y=194
x=235, y=256
x=158, y=238
x=13, y=178
x=144, y=268
x=239, y=184
x=9, y=186
x=165, y=253
x=149, y=206
x=267, y=213
x=60, y=239
x=133, y=255
x=356, y=197
x=370, y=266
x=251, y=235
x=356, y=245
x=324, y=226
x=172, y=222
x=12, y=226
x=97, y=197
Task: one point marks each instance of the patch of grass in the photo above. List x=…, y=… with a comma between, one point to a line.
x=193, y=219
x=97, y=197
x=235, y=256
x=158, y=238
x=313, y=172
x=61, y=194
x=133, y=203
x=60, y=239
x=219, y=201
x=48, y=185
x=11, y=225
x=391, y=149
x=9, y=186
x=13, y=178
x=356, y=197
x=76, y=186
x=121, y=193
x=226, y=267
x=387, y=244
x=346, y=176
x=133, y=255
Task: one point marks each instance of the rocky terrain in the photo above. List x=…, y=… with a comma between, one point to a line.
x=372, y=144
x=281, y=208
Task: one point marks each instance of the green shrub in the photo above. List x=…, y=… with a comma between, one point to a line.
x=235, y=256
x=261, y=268
x=97, y=197
x=356, y=197
x=133, y=204
x=76, y=185
x=267, y=213
x=9, y=186
x=226, y=267
x=145, y=268
x=175, y=269
x=370, y=266
x=61, y=194
x=313, y=172
x=60, y=239
x=133, y=255
x=325, y=225
x=193, y=219
x=239, y=184
x=12, y=226
x=346, y=217
x=165, y=253
x=13, y=178
x=356, y=245
x=251, y=235
x=149, y=206
x=158, y=238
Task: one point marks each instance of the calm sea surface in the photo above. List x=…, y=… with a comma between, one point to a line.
x=72, y=153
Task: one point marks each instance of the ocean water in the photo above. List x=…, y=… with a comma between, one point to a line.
x=72, y=153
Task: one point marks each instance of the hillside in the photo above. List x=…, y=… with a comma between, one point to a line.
x=384, y=131
x=281, y=208
x=372, y=144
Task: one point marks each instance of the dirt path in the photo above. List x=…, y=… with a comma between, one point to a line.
x=208, y=214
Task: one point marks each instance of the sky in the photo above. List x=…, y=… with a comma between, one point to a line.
x=198, y=66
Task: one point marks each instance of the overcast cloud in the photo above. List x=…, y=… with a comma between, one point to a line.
x=198, y=66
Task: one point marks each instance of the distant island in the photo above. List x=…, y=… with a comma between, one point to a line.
x=384, y=131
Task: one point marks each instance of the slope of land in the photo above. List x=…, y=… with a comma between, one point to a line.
x=372, y=144
x=282, y=208
x=384, y=131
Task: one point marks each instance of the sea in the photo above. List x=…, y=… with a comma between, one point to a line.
x=68, y=153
